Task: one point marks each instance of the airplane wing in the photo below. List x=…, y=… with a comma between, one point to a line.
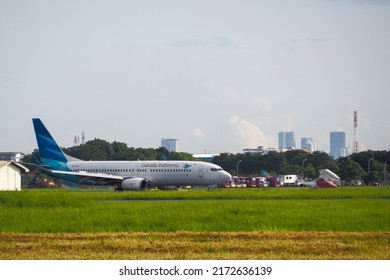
x=100, y=179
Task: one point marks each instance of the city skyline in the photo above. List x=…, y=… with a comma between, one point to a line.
x=220, y=76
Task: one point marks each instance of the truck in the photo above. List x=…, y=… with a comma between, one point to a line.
x=288, y=180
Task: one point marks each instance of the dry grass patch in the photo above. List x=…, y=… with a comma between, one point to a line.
x=196, y=245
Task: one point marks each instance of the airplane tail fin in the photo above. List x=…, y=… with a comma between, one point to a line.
x=51, y=153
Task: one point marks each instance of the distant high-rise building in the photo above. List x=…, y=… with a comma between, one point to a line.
x=338, y=146
x=308, y=144
x=170, y=144
x=286, y=140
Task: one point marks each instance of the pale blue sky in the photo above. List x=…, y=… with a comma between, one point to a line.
x=218, y=75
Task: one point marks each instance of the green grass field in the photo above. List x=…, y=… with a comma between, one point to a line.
x=289, y=209
x=274, y=223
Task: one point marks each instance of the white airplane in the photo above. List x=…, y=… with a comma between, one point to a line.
x=123, y=175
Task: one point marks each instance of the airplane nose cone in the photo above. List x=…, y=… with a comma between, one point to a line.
x=225, y=176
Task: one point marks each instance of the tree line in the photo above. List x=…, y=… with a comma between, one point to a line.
x=368, y=166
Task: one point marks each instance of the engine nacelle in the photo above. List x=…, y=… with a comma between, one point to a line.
x=134, y=184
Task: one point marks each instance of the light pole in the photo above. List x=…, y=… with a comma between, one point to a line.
x=303, y=162
x=368, y=169
x=385, y=173
x=237, y=165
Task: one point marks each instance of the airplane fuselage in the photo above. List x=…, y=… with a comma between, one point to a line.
x=157, y=173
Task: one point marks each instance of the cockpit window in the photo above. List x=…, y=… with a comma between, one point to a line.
x=215, y=169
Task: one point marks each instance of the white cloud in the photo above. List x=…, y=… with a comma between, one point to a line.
x=198, y=133
x=249, y=133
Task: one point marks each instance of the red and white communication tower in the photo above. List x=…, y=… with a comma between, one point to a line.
x=355, y=144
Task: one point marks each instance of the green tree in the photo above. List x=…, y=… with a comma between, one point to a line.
x=350, y=170
x=228, y=161
x=275, y=162
x=310, y=172
x=119, y=151
x=321, y=160
x=296, y=157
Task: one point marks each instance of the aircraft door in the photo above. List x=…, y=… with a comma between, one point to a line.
x=200, y=171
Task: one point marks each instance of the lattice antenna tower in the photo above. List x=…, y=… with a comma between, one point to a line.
x=76, y=140
x=355, y=144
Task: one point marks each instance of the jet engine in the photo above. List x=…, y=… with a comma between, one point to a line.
x=134, y=184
